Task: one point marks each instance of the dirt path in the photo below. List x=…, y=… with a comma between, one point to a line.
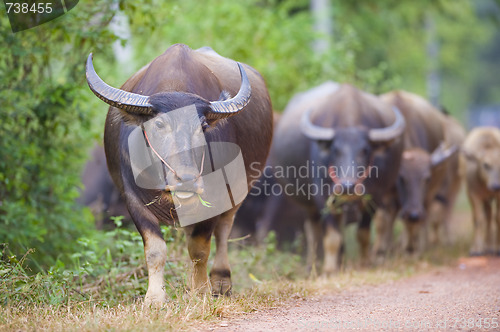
x=463, y=297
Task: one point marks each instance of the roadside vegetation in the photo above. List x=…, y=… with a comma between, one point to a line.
x=103, y=285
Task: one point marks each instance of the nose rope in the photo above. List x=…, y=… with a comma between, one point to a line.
x=158, y=155
x=165, y=163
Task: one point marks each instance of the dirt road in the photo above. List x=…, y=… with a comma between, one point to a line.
x=464, y=297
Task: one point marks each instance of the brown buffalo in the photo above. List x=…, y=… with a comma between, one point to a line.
x=174, y=111
x=423, y=166
x=481, y=150
x=439, y=216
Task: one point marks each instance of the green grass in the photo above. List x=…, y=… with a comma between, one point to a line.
x=104, y=286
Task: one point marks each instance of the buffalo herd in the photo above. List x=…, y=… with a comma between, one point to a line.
x=192, y=133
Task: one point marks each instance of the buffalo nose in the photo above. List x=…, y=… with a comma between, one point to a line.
x=413, y=216
x=189, y=182
x=348, y=188
x=186, y=177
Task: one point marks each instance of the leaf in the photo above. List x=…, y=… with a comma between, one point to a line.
x=254, y=278
x=204, y=203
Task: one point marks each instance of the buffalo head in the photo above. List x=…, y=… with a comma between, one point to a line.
x=415, y=175
x=487, y=162
x=348, y=152
x=173, y=125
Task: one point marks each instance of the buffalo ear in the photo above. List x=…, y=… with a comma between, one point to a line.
x=442, y=153
x=469, y=156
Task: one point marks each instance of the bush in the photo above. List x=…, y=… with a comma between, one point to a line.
x=46, y=127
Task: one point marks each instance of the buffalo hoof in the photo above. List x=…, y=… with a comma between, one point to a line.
x=330, y=270
x=154, y=300
x=379, y=258
x=367, y=263
x=491, y=252
x=329, y=274
x=410, y=251
x=221, y=283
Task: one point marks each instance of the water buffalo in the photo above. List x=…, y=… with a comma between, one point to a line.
x=481, y=151
x=172, y=113
x=266, y=209
x=100, y=193
x=337, y=151
x=439, y=216
x=423, y=165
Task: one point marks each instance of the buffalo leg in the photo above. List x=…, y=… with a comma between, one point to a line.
x=332, y=246
x=384, y=223
x=489, y=234
x=363, y=237
x=220, y=274
x=413, y=245
x=155, y=251
x=198, y=241
x=265, y=223
x=479, y=216
x=435, y=222
x=497, y=219
x=312, y=229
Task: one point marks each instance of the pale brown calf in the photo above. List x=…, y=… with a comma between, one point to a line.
x=481, y=152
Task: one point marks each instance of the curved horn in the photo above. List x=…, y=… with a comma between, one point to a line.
x=391, y=132
x=441, y=153
x=127, y=101
x=226, y=108
x=312, y=131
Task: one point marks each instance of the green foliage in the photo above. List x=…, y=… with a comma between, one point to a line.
x=272, y=36
x=395, y=35
x=46, y=128
x=109, y=269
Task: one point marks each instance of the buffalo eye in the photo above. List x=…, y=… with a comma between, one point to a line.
x=324, y=145
x=159, y=124
x=205, y=125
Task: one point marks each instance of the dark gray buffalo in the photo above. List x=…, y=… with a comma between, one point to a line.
x=160, y=139
x=337, y=152
x=268, y=208
x=100, y=193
